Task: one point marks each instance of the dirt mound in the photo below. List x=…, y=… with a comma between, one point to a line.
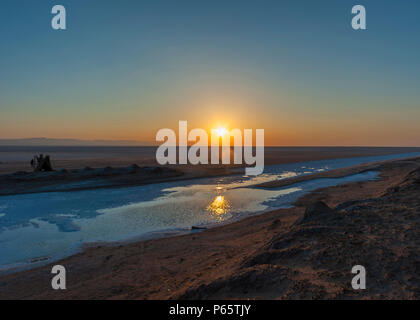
x=316, y=211
x=313, y=258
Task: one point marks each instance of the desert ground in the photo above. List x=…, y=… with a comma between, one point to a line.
x=89, y=170
x=18, y=161
x=305, y=252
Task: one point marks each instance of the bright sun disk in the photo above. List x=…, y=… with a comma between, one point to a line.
x=221, y=131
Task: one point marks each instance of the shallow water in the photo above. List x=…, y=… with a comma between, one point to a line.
x=57, y=224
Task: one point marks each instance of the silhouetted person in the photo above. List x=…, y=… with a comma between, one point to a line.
x=46, y=165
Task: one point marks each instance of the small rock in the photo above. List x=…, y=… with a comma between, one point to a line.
x=157, y=170
x=198, y=228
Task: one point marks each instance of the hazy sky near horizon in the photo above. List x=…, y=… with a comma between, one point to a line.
x=124, y=69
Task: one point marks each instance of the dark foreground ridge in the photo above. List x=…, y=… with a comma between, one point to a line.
x=313, y=257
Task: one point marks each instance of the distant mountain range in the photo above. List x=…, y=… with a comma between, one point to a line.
x=71, y=142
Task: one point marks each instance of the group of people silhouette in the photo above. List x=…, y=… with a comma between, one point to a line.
x=41, y=163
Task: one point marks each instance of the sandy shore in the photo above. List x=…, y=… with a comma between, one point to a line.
x=306, y=252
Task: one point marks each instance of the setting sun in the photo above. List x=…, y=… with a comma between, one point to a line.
x=221, y=131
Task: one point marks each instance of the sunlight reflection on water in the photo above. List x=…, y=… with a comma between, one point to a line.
x=54, y=224
x=219, y=207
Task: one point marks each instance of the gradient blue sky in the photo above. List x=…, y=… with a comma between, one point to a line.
x=124, y=69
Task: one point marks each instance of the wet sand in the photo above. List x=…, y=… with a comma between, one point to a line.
x=305, y=252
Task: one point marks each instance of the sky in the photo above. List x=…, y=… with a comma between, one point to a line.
x=125, y=69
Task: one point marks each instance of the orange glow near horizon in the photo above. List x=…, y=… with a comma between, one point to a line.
x=325, y=130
